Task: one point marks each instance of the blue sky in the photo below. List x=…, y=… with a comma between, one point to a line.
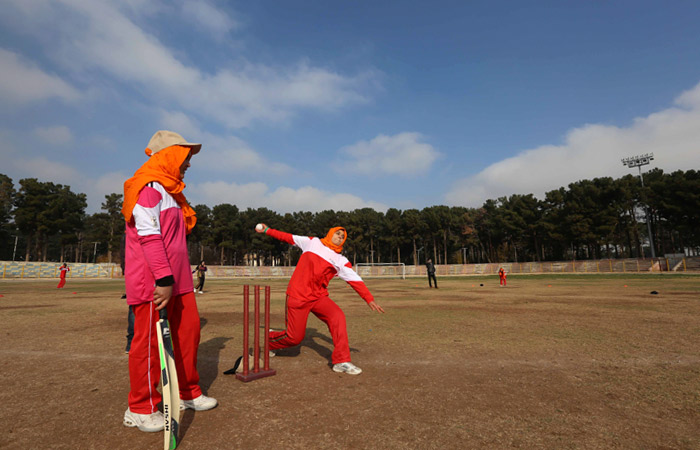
x=309, y=105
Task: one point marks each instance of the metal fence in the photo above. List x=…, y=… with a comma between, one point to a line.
x=31, y=270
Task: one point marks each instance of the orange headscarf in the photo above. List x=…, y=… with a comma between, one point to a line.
x=163, y=167
x=328, y=243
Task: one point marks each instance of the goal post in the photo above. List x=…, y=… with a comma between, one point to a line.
x=381, y=270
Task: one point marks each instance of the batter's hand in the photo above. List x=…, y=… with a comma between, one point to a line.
x=373, y=305
x=161, y=296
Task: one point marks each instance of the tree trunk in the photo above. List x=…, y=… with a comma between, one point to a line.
x=444, y=240
x=109, y=243
x=37, y=247
x=27, y=251
x=637, y=239
x=629, y=241
x=415, y=253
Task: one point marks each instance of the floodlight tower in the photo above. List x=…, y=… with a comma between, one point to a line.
x=638, y=162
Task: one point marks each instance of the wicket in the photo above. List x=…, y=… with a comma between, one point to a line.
x=247, y=375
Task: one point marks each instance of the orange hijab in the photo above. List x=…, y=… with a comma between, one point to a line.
x=163, y=167
x=328, y=243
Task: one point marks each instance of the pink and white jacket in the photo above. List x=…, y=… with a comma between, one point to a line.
x=316, y=267
x=156, y=247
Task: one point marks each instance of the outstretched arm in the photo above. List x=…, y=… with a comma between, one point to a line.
x=300, y=241
x=375, y=307
x=281, y=235
x=355, y=281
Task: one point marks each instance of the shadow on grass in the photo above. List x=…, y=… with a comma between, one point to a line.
x=211, y=351
x=321, y=343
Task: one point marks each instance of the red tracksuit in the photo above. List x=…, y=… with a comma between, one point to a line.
x=156, y=248
x=308, y=292
x=62, y=281
x=502, y=276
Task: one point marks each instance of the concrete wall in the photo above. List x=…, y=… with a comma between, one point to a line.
x=9, y=269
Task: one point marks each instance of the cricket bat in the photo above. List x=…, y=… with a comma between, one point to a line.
x=168, y=377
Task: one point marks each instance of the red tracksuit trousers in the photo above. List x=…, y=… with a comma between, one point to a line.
x=297, y=314
x=144, y=360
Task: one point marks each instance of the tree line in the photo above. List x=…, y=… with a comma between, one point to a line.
x=588, y=219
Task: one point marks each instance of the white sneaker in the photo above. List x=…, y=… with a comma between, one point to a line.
x=145, y=422
x=271, y=353
x=347, y=367
x=201, y=292
x=201, y=403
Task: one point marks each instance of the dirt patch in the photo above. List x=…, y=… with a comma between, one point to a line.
x=586, y=363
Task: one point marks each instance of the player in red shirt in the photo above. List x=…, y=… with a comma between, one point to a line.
x=64, y=270
x=502, y=276
x=157, y=275
x=307, y=292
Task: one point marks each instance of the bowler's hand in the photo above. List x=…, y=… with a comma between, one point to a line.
x=161, y=296
x=264, y=227
x=373, y=305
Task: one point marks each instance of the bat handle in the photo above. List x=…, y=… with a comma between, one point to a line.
x=163, y=314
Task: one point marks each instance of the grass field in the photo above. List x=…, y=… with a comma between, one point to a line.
x=549, y=362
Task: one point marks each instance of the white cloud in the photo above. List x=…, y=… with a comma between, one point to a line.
x=98, y=38
x=57, y=135
x=100, y=143
x=52, y=170
x=230, y=154
x=209, y=18
x=401, y=154
x=96, y=189
x=180, y=123
x=254, y=92
x=23, y=82
x=221, y=153
x=111, y=42
x=282, y=199
x=592, y=151
x=46, y=170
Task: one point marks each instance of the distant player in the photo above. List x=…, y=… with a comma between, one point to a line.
x=502, y=276
x=201, y=277
x=430, y=267
x=307, y=292
x=64, y=269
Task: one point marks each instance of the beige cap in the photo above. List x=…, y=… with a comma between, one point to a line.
x=164, y=139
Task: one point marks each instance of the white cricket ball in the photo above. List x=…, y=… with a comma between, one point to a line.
x=259, y=227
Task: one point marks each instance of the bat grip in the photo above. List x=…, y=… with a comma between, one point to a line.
x=163, y=314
